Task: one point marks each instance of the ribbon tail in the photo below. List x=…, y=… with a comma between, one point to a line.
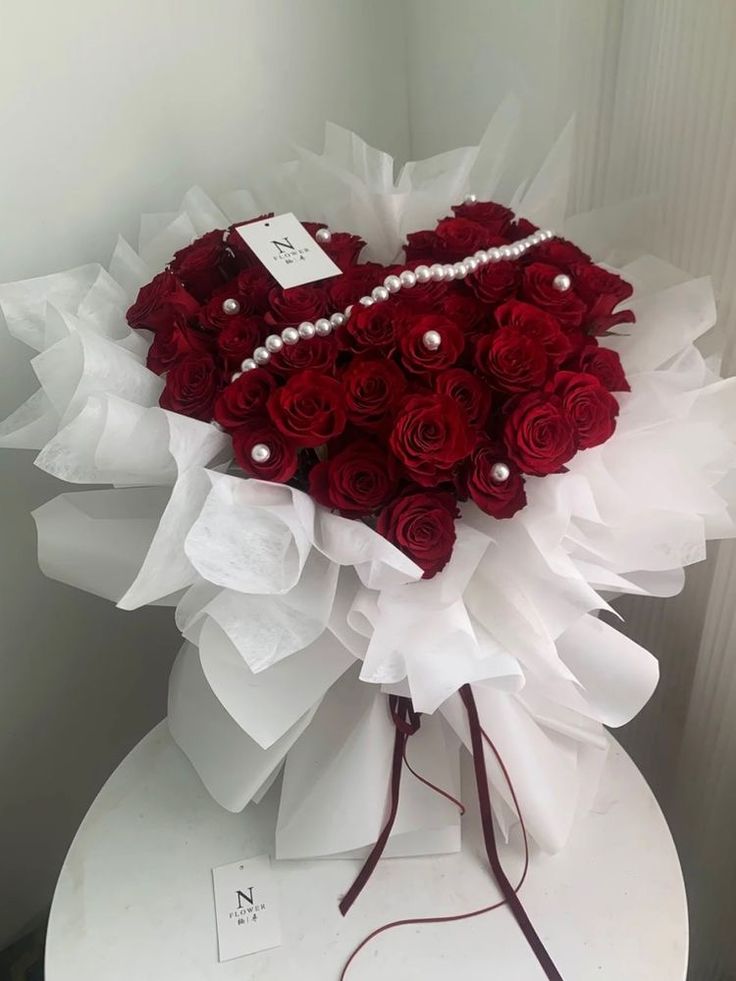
x=509, y=894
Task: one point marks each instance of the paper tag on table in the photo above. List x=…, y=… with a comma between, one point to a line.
x=246, y=907
x=288, y=251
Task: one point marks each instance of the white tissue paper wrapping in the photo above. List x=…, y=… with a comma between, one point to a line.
x=297, y=622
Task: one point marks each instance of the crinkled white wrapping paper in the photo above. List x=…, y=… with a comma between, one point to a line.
x=298, y=622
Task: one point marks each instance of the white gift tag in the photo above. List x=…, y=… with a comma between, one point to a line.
x=246, y=907
x=288, y=251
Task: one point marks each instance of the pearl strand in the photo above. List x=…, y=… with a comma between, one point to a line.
x=408, y=278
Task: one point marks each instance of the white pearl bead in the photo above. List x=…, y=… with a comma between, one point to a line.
x=437, y=271
x=274, y=343
x=471, y=263
x=306, y=331
x=248, y=365
x=234, y=377
x=323, y=327
x=366, y=301
x=290, y=335
x=338, y=319
x=449, y=271
x=494, y=255
x=323, y=235
x=506, y=252
x=500, y=473
x=432, y=339
x=562, y=282
x=230, y=307
x=260, y=453
x=408, y=279
x=423, y=274
x=380, y=294
x=482, y=256
x=261, y=355
x=470, y=198
x=460, y=270
x=515, y=251
x=392, y=284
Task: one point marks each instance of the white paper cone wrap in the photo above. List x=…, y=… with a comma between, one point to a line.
x=297, y=621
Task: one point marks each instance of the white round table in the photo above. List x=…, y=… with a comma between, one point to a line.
x=134, y=899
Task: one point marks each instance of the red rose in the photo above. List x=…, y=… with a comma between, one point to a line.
x=251, y=290
x=558, y=252
x=537, y=286
x=343, y=248
x=424, y=296
x=283, y=459
x=309, y=409
x=373, y=388
x=605, y=364
x=356, y=481
x=588, y=405
x=161, y=301
x=461, y=306
x=512, y=361
x=191, y=387
x=239, y=338
x=422, y=525
x=417, y=357
x=601, y=291
x=469, y=391
x=170, y=346
x=297, y=304
x=319, y=354
x=204, y=265
x=355, y=282
x=422, y=247
x=495, y=218
x=452, y=240
x=245, y=397
x=499, y=498
x=430, y=435
x=494, y=282
x=539, y=435
x=371, y=328
x=535, y=323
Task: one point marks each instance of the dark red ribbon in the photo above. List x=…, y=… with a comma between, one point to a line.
x=407, y=721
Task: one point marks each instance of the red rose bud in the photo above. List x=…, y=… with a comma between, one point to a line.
x=605, y=364
x=535, y=323
x=462, y=307
x=495, y=218
x=601, y=291
x=343, y=248
x=292, y=306
x=263, y=452
x=430, y=343
x=355, y=282
x=357, y=481
x=495, y=282
x=512, y=361
x=171, y=345
x=422, y=525
x=589, y=405
x=373, y=388
x=238, y=339
x=191, y=387
x=370, y=328
x=430, y=435
x=161, y=302
x=469, y=391
x=245, y=397
x=541, y=285
x=309, y=409
x=538, y=434
x=493, y=484
x=204, y=265
x=318, y=354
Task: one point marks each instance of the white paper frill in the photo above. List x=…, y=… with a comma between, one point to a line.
x=297, y=622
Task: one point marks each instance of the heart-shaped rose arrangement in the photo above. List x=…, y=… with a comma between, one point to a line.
x=454, y=383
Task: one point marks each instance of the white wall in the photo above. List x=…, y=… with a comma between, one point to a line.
x=108, y=110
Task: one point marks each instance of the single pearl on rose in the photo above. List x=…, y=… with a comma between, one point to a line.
x=500, y=473
x=470, y=198
x=408, y=279
x=323, y=327
x=235, y=375
x=432, y=339
x=562, y=282
x=248, y=365
x=437, y=271
x=323, y=235
x=274, y=343
x=230, y=307
x=338, y=319
x=261, y=355
x=260, y=453
x=290, y=335
x=380, y=294
x=423, y=274
x=306, y=331
x=392, y=283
